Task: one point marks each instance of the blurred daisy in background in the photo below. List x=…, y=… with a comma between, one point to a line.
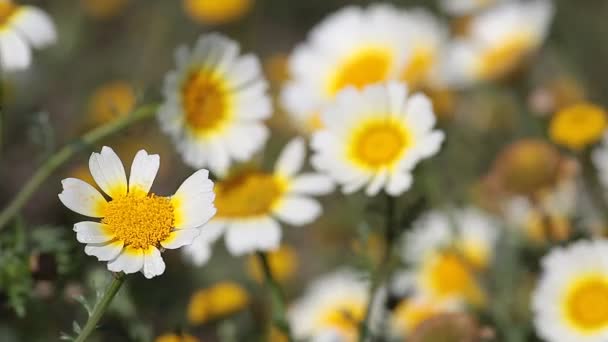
x=217, y=12
x=213, y=99
x=331, y=309
x=110, y=101
x=447, y=250
x=578, y=126
x=499, y=41
x=570, y=302
x=374, y=138
x=135, y=225
x=250, y=203
x=282, y=261
x=22, y=28
x=466, y=7
x=173, y=337
x=220, y=300
x=105, y=9
x=352, y=47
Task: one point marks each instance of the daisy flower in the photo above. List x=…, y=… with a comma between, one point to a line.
x=446, y=251
x=22, y=28
x=570, y=302
x=250, y=203
x=352, y=47
x=374, y=138
x=465, y=7
x=578, y=126
x=498, y=41
x=331, y=309
x=135, y=224
x=213, y=99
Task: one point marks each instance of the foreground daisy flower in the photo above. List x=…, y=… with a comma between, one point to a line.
x=352, y=47
x=135, y=225
x=331, y=309
x=213, y=100
x=374, y=138
x=570, y=303
x=578, y=126
x=251, y=202
x=21, y=28
x=499, y=40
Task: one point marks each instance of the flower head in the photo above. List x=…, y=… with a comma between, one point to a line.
x=374, y=138
x=110, y=101
x=213, y=99
x=353, y=47
x=251, y=202
x=332, y=308
x=217, y=12
x=499, y=41
x=136, y=224
x=217, y=301
x=21, y=28
x=570, y=302
x=578, y=126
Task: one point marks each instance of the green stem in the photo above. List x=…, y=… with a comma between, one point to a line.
x=65, y=153
x=101, y=307
x=278, y=298
x=384, y=269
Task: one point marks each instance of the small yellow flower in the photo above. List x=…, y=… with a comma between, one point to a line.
x=103, y=9
x=217, y=11
x=176, y=338
x=111, y=101
x=578, y=126
x=220, y=300
x=282, y=261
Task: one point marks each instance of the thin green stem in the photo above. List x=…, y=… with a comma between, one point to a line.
x=279, y=316
x=384, y=268
x=65, y=153
x=100, y=307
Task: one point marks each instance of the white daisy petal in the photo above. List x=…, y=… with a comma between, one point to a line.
x=179, y=238
x=82, y=198
x=291, y=158
x=131, y=260
x=14, y=52
x=399, y=183
x=92, y=232
x=154, y=264
x=298, y=210
x=199, y=251
x=143, y=171
x=35, y=25
x=193, y=201
x=311, y=184
x=253, y=235
x=104, y=251
x=108, y=172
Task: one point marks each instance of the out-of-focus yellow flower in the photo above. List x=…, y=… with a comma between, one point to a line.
x=110, y=101
x=276, y=68
x=542, y=228
x=444, y=102
x=411, y=312
x=176, y=338
x=447, y=327
x=282, y=261
x=277, y=336
x=217, y=11
x=103, y=9
x=220, y=300
x=578, y=126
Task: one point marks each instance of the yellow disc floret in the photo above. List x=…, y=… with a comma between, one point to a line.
x=586, y=304
x=342, y=315
x=578, y=126
x=217, y=11
x=371, y=65
x=205, y=102
x=248, y=194
x=138, y=220
x=378, y=144
x=7, y=10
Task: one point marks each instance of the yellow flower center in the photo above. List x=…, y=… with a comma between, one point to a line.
x=448, y=275
x=217, y=11
x=578, y=126
x=586, y=304
x=206, y=102
x=370, y=65
x=498, y=61
x=7, y=9
x=344, y=316
x=138, y=220
x=419, y=67
x=379, y=143
x=248, y=194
